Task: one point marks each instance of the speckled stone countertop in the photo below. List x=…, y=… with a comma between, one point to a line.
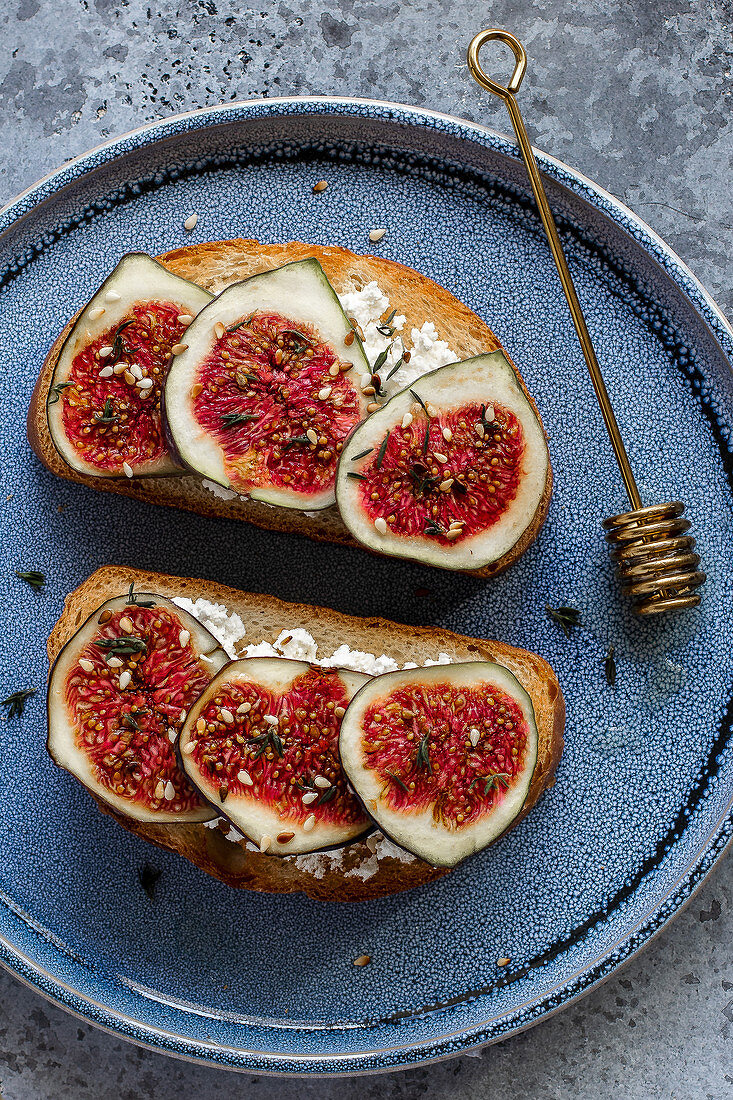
x=637, y=94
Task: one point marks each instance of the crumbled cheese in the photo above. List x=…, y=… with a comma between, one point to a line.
x=227, y=627
x=367, y=306
x=362, y=662
x=219, y=490
x=260, y=649
x=297, y=644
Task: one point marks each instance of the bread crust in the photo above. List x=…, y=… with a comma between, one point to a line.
x=264, y=617
x=217, y=264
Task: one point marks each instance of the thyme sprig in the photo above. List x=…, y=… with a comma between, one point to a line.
x=32, y=577
x=108, y=415
x=122, y=645
x=396, y=367
x=57, y=390
x=495, y=779
x=118, y=347
x=17, y=701
x=422, y=759
x=233, y=420
x=432, y=527
x=565, y=617
x=240, y=324
x=134, y=599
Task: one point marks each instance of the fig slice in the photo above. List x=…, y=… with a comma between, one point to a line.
x=451, y=471
x=261, y=744
x=441, y=757
x=118, y=694
x=269, y=388
x=103, y=405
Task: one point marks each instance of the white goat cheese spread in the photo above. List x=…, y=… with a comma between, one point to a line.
x=297, y=644
x=367, y=306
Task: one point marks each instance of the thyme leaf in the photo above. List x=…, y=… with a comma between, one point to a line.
x=565, y=617
x=423, y=753
x=57, y=390
x=609, y=666
x=433, y=528
x=17, y=701
x=233, y=420
x=295, y=439
x=382, y=451
x=124, y=644
x=385, y=327
x=426, y=440
x=356, y=477
x=395, y=368
x=362, y=454
x=306, y=340
x=32, y=577
x=328, y=794
x=380, y=360
x=396, y=779
x=240, y=324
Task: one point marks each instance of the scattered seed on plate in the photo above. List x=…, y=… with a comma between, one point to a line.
x=188, y=748
x=219, y=330
x=285, y=838
x=172, y=735
x=160, y=789
x=339, y=711
x=473, y=736
x=480, y=430
x=185, y=318
x=106, y=372
x=190, y=222
x=439, y=457
x=271, y=719
x=227, y=716
x=334, y=371
x=349, y=338
x=363, y=960
x=376, y=234
x=503, y=962
x=320, y=186
x=114, y=662
x=312, y=435
x=145, y=384
x=447, y=435
x=127, y=469
x=373, y=406
x=126, y=625
x=324, y=393
x=105, y=351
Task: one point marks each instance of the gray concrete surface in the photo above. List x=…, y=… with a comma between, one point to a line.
x=635, y=93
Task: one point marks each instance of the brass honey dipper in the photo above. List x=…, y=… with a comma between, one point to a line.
x=656, y=560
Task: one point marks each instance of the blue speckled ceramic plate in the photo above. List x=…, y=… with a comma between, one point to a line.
x=642, y=805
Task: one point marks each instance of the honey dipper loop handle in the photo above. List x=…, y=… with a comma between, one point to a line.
x=508, y=95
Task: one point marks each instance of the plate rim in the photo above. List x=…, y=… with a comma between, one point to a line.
x=466, y=1039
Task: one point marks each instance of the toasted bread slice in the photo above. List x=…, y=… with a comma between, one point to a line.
x=217, y=265
x=353, y=874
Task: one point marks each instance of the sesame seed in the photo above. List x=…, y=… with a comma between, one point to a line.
x=96, y=313
x=311, y=796
x=114, y=662
x=473, y=736
x=112, y=296
x=126, y=625
x=363, y=960
x=480, y=430
x=407, y=420
x=373, y=406
x=106, y=372
x=190, y=222
x=170, y=791
x=159, y=789
x=376, y=234
x=184, y=637
x=172, y=735
x=453, y=533
x=309, y=824
x=320, y=186
x=178, y=348
x=145, y=393
x=188, y=748
x=196, y=390
x=119, y=368
x=489, y=414
x=349, y=338
x=503, y=962
x=339, y=711
x=86, y=665
x=324, y=393
x=185, y=318
x=365, y=380
x=447, y=435
x=136, y=371
x=201, y=725
x=322, y=782
x=227, y=716
x=381, y=525
x=440, y=457
x=244, y=708
x=105, y=351
x=312, y=435
x=245, y=778
x=219, y=330
x=333, y=371
x=271, y=719
x=145, y=384
x=445, y=485
x=265, y=843
x=130, y=378
x=432, y=411
x=125, y=678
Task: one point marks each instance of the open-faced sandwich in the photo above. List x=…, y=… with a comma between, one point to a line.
x=303, y=389
x=286, y=748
